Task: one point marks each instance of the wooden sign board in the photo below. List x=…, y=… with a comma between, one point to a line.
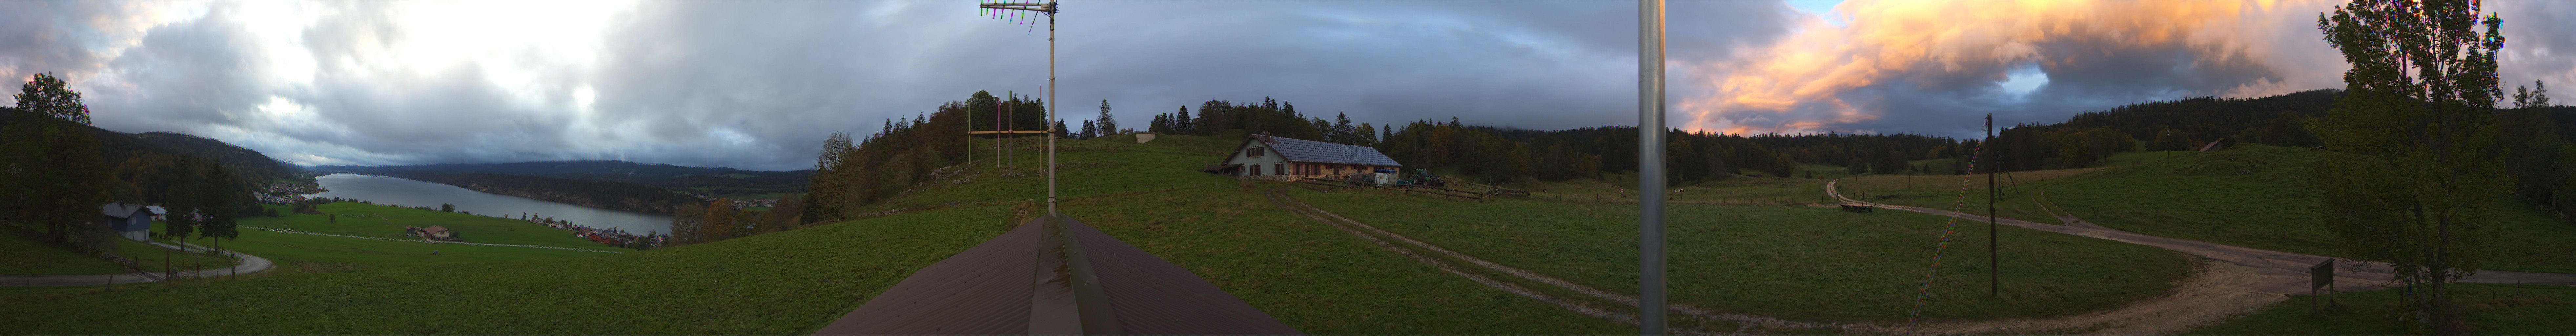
x=2321, y=275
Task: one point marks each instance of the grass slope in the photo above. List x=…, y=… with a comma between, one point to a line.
x=31, y=256
x=783, y=283
x=1317, y=279
x=2491, y=309
x=369, y=220
x=1310, y=276
x=1783, y=261
x=2265, y=197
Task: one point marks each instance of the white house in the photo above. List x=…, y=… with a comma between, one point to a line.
x=1276, y=158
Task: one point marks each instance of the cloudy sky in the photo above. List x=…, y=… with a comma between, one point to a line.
x=757, y=85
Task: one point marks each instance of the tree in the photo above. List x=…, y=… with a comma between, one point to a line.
x=221, y=201
x=446, y=207
x=1181, y=122
x=1342, y=129
x=2171, y=140
x=2539, y=94
x=46, y=96
x=1108, y=123
x=1088, y=130
x=54, y=175
x=2413, y=163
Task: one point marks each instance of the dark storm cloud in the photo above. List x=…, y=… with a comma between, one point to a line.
x=757, y=85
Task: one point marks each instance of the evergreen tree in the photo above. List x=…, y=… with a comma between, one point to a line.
x=1342, y=129
x=1088, y=130
x=1108, y=123
x=1181, y=122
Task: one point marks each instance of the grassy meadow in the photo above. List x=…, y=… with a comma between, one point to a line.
x=1317, y=279
x=381, y=221
x=2265, y=197
x=1314, y=278
x=2491, y=309
x=782, y=283
x=1782, y=260
x=33, y=257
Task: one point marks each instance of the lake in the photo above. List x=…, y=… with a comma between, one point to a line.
x=405, y=192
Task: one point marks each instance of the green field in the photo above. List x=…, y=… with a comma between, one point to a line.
x=783, y=283
x=368, y=220
x=31, y=256
x=2264, y=197
x=2491, y=309
x=787, y=282
x=1314, y=278
x=1782, y=260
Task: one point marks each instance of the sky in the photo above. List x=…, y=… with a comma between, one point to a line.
x=758, y=85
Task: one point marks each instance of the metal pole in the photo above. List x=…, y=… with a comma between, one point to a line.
x=1994, y=260
x=1650, y=167
x=1050, y=108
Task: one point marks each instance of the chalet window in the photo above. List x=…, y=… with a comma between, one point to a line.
x=1254, y=152
x=1280, y=168
x=1256, y=170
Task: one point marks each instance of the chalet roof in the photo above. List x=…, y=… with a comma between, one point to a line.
x=1020, y=283
x=434, y=229
x=122, y=210
x=1295, y=150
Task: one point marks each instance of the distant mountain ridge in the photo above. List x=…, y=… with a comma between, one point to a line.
x=252, y=167
x=703, y=181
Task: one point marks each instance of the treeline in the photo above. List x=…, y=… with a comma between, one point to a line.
x=1502, y=155
x=2540, y=149
x=2188, y=124
x=597, y=194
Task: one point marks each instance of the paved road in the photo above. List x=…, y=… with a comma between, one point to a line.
x=2280, y=272
x=250, y=264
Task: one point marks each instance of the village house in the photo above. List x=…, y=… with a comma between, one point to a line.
x=132, y=221
x=1284, y=159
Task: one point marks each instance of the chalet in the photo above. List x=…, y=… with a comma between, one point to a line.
x=1276, y=158
x=132, y=221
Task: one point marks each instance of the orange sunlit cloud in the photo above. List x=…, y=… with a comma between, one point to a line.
x=1803, y=82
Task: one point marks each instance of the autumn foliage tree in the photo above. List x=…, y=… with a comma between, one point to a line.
x=2414, y=163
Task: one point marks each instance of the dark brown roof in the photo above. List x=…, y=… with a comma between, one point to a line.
x=434, y=229
x=993, y=288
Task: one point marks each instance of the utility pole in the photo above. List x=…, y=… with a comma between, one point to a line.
x=1994, y=258
x=1650, y=167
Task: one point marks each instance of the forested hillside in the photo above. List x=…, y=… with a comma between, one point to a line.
x=58, y=169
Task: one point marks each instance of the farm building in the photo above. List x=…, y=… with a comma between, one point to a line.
x=132, y=221
x=1276, y=158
